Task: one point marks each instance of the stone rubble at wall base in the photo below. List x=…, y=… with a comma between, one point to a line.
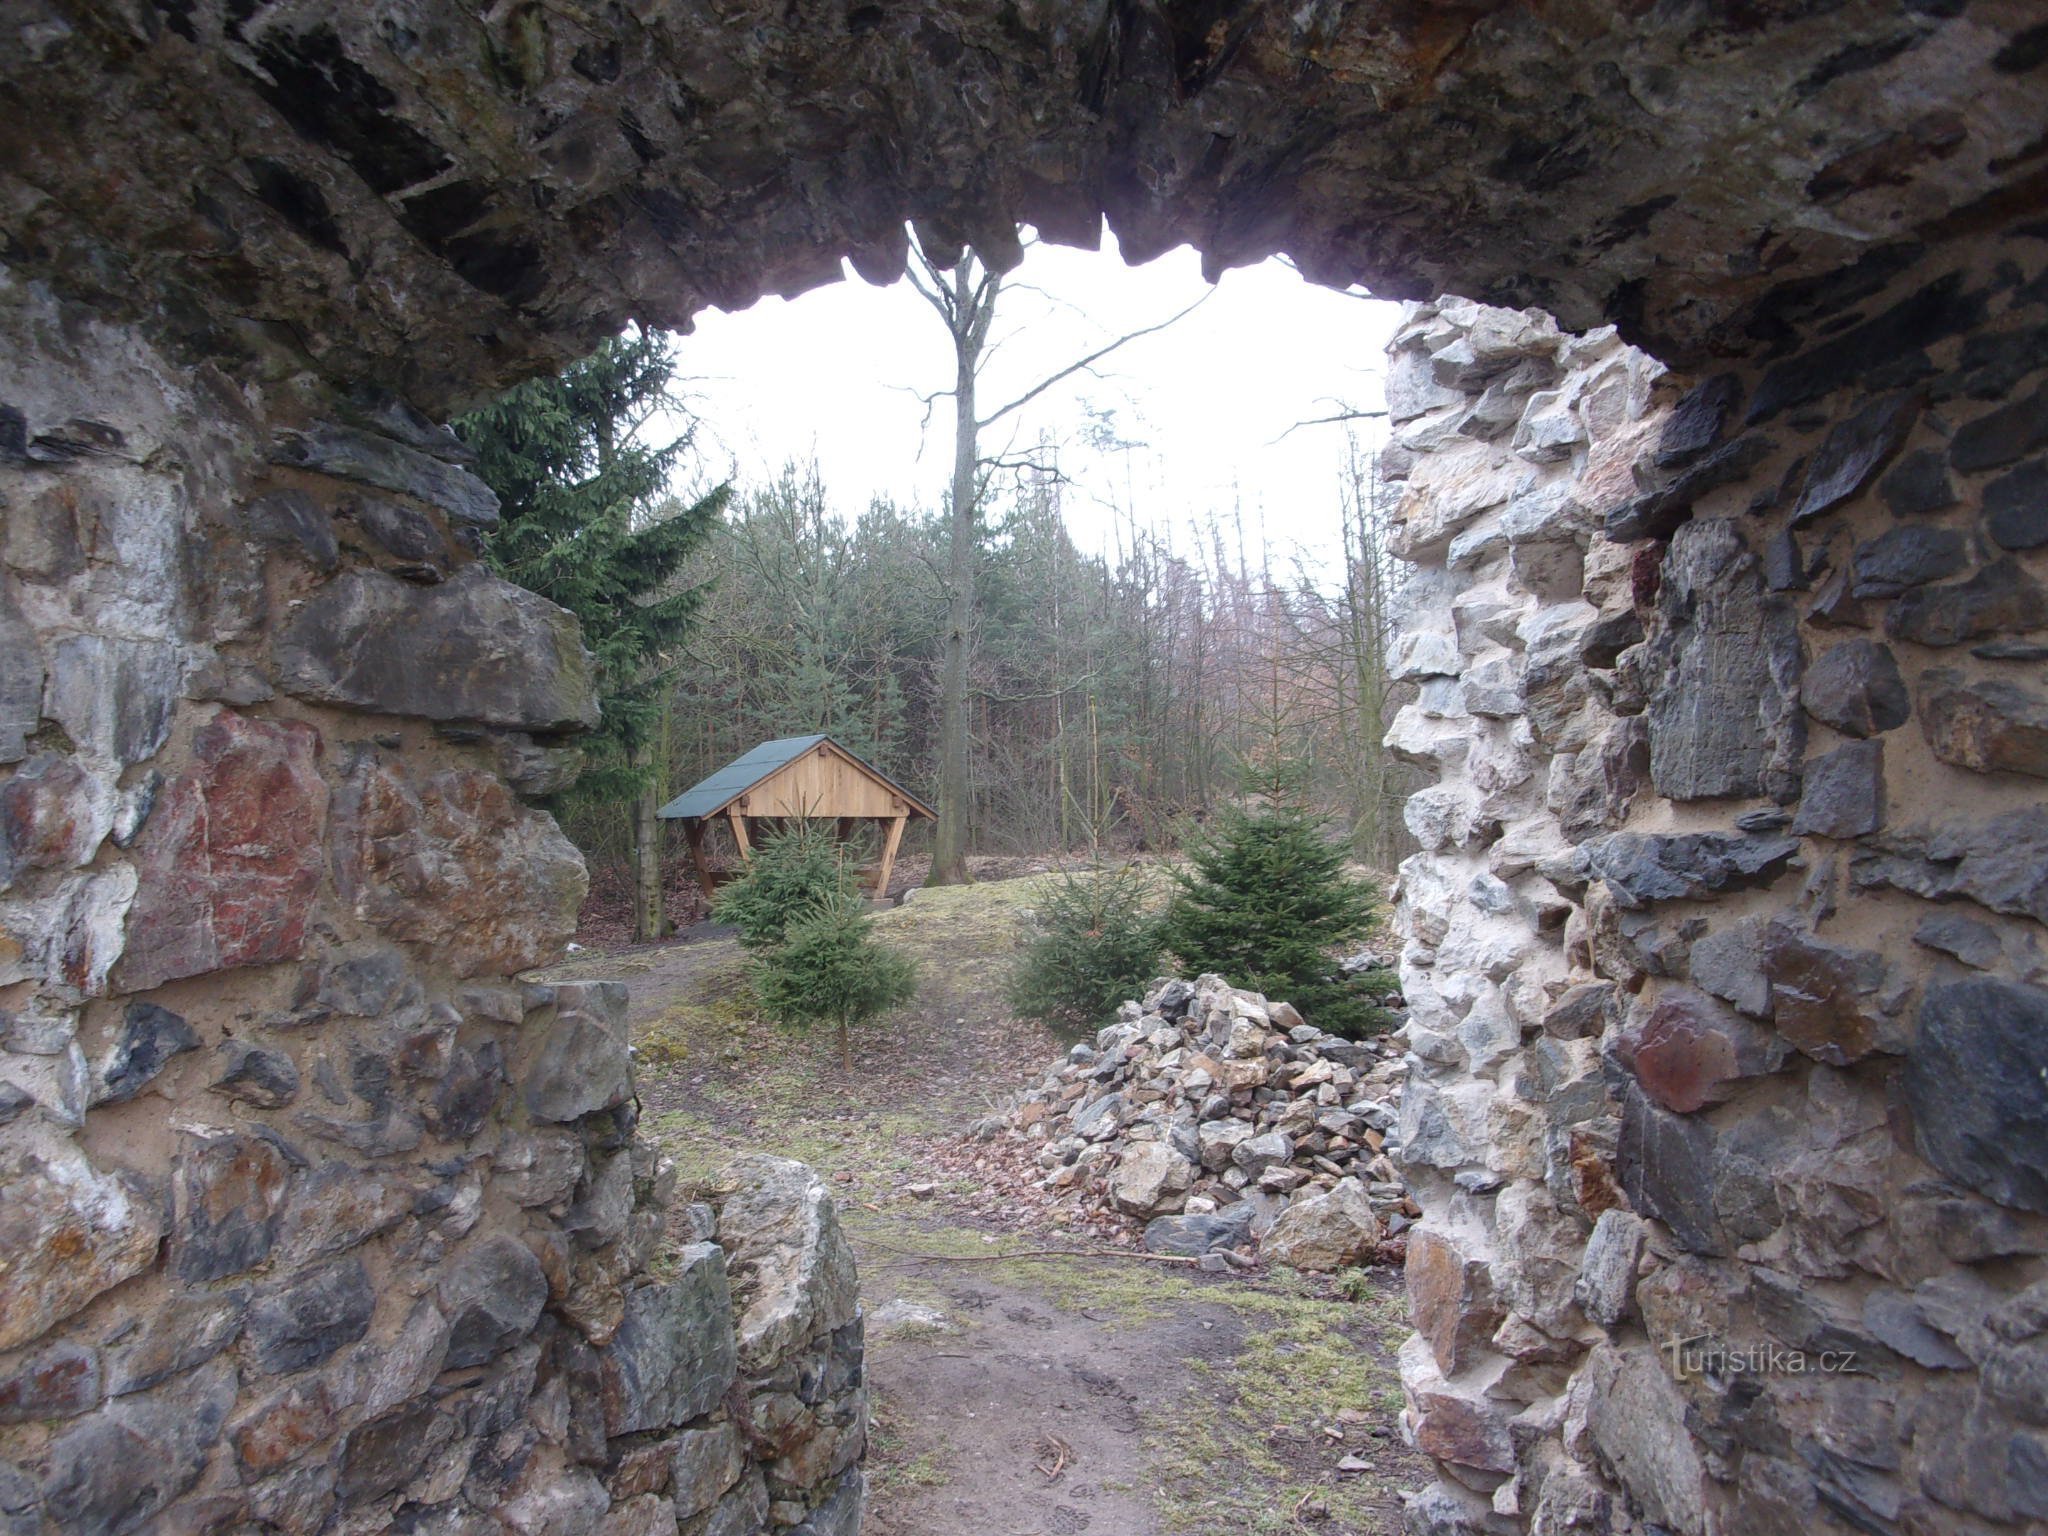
x=1225, y=1125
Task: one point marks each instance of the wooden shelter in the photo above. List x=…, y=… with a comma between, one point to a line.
x=797, y=778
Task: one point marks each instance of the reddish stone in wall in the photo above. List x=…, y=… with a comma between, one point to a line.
x=454, y=862
x=1459, y=1430
x=1691, y=1051
x=230, y=858
x=1450, y=1298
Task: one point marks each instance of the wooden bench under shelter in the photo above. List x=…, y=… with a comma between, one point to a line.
x=796, y=778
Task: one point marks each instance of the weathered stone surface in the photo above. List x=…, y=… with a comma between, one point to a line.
x=673, y=1355
x=69, y=1233
x=21, y=679
x=1902, y=558
x=1842, y=794
x=2016, y=507
x=337, y=1205
x=1854, y=451
x=150, y=1036
x=1641, y=869
x=370, y=458
x=1999, y=437
x=582, y=1064
x=310, y=1316
x=114, y=1471
x=1151, y=1180
x=1973, y=1079
x=184, y=1332
x=114, y=696
x=1999, y=599
x=1918, y=484
x=256, y=1075
x=2001, y=863
x=1327, y=1231
x=1688, y=1051
x=1665, y=1163
x=1856, y=687
x=472, y=648
x=492, y=1296
x=705, y=1464
x=54, y=813
x=1632, y=1401
x=1605, y=1289
x=53, y=1381
x=228, y=1194
x=231, y=855
x=1825, y=998
x=454, y=862
x=292, y=520
x=1724, y=719
x=793, y=1272
x=1451, y=1298
x=1989, y=725
x=1192, y=1236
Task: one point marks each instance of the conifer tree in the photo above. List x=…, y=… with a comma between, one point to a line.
x=1266, y=902
x=586, y=521
x=829, y=968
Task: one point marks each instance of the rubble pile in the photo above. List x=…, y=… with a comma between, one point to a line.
x=1228, y=1125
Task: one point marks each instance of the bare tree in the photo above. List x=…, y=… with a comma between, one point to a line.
x=964, y=296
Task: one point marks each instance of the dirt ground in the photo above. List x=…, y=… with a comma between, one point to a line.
x=1021, y=1396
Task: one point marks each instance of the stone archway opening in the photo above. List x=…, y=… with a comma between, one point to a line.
x=1730, y=918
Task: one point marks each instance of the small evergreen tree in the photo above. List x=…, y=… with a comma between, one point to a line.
x=585, y=520
x=793, y=875
x=829, y=968
x=1266, y=902
x=1100, y=944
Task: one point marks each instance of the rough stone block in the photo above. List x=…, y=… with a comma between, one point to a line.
x=1689, y=1051
x=228, y=1195
x=1451, y=1298
x=1325, y=1232
x=793, y=1272
x=1988, y=725
x=506, y=884
x=150, y=1036
x=1856, y=687
x=21, y=680
x=492, y=1296
x=1853, y=451
x=1723, y=719
x=2016, y=507
x=2001, y=599
x=473, y=648
x=310, y=1316
x=232, y=856
x=1606, y=1287
x=370, y=458
x=58, y=1380
x=1843, y=792
x=1902, y=558
x=1973, y=1080
x=1634, y=1408
x=582, y=1064
x=69, y=1232
x=114, y=696
x=674, y=1353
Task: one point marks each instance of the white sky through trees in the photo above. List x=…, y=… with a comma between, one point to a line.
x=838, y=371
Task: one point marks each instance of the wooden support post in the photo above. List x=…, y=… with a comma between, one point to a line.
x=845, y=828
x=693, y=834
x=890, y=842
x=739, y=835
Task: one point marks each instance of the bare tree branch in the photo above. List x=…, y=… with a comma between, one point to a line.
x=1324, y=421
x=1093, y=357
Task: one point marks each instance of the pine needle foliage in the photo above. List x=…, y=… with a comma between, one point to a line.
x=830, y=969
x=794, y=875
x=1266, y=901
x=1098, y=944
x=586, y=521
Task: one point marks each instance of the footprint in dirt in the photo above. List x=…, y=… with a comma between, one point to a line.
x=1027, y=1317
x=973, y=1300
x=1067, y=1521
x=1121, y=1413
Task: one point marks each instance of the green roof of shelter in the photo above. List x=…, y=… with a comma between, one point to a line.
x=709, y=795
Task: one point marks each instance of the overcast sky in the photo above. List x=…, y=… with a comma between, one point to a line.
x=837, y=372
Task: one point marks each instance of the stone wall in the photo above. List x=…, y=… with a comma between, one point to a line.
x=311, y=1218
x=1725, y=952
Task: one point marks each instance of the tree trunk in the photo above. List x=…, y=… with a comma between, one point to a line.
x=845, y=1047
x=650, y=921
x=949, y=843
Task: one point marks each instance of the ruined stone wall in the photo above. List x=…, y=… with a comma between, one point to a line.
x=1725, y=952
x=311, y=1217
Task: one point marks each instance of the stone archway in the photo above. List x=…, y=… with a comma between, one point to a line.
x=1729, y=931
